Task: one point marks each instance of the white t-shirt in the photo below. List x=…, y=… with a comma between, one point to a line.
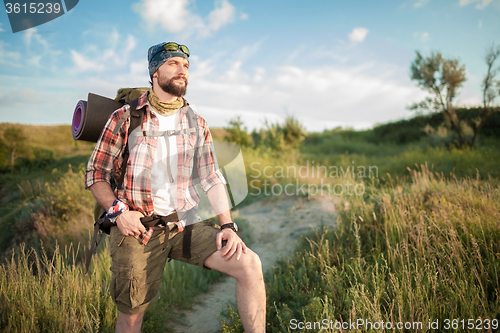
x=163, y=178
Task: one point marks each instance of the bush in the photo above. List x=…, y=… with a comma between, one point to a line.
x=237, y=133
x=58, y=212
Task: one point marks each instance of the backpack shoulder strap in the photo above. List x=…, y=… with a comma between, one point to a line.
x=193, y=123
x=192, y=118
x=136, y=118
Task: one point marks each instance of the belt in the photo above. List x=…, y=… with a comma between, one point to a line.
x=159, y=220
x=156, y=220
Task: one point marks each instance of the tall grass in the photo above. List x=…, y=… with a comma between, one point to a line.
x=406, y=252
x=41, y=293
x=51, y=294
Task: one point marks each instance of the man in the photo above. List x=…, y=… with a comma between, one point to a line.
x=158, y=185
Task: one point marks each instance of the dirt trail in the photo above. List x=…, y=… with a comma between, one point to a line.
x=276, y=224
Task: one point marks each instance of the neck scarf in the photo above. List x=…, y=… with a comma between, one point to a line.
x=164, y=109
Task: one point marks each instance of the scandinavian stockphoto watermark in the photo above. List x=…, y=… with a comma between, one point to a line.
x=310, y=179
x=412, y=326
x=28, y=14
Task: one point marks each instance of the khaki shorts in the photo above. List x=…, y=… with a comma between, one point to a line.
x=137, y=269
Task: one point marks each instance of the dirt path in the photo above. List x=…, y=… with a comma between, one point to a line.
x=276, y=224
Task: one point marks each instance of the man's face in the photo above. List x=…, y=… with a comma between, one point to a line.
x=172, y=76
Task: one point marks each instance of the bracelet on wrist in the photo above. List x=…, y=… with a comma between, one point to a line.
x=116, y=210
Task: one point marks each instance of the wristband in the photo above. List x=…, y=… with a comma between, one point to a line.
x=115, y=210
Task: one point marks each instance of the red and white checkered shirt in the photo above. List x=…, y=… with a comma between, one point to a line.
x=106, y=160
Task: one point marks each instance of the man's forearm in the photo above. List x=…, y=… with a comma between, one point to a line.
x=103, y=193
x=219, y=199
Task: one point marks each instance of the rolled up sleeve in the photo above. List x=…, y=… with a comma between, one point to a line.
x=209, y=172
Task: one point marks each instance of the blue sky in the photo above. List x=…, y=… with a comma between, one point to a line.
x=328, y=63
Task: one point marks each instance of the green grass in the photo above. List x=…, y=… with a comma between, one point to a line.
x=413, y=251
x=51, y=294
x=48, y=212
x=396, y=160
x=416, y=246
x=40, y=293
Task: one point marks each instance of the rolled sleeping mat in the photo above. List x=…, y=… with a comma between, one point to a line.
x=90, y=117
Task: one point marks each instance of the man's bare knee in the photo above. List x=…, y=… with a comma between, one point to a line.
x=251, y=266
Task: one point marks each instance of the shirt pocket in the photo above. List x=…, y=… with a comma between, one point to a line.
x=191, y=138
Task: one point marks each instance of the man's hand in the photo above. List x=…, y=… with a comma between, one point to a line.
x=130, y=224
x=233, y=246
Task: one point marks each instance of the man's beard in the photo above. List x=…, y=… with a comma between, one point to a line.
x=172, y=88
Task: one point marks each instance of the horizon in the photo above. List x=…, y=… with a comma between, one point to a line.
x=327, y=64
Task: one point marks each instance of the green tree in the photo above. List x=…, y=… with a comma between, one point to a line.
x=491, y=88
x=281, y=137
x=238, y=133
x=293, y=132
x=273, y=137
x=441, y=78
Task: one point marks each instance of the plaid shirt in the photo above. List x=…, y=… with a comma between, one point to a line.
x=106, y=160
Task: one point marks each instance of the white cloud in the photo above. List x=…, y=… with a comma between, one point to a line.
x=35, y=61
x=174, y=16
x=28, y=36
x=222, y=15
x=36, y=101
x=1, y=30
x=38, y=52
x=83, y=64
x=423, y=37
x=8, y=57
x=420, y=3
x=139, y=67
x=480, y=24
x=248, y=51
x=259, y=75
x=116, y=56
x=319, y=97
x=481, y=4
x=130, y=44
x=357, y=35
x=33, y=35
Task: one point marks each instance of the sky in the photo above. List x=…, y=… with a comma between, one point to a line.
x=327, y=63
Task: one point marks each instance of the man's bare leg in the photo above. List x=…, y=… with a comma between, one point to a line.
x=250, y=289
x=129, y=323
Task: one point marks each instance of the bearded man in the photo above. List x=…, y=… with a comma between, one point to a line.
x=157, y=185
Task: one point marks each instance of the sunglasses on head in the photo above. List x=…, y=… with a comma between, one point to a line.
x=174, y=47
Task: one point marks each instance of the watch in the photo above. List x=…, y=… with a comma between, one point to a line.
x=231, y=225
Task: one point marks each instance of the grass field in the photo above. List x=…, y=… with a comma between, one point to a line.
x=416, y=251
x=420, y=244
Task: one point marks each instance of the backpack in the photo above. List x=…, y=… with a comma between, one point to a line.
x=102, y=225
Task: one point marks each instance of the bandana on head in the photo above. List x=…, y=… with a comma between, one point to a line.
x=157, y=55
